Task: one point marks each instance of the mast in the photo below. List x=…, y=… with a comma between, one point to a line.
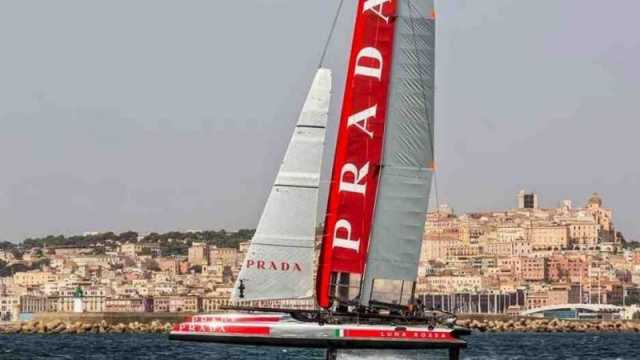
x=279, y=262
x=358, y=153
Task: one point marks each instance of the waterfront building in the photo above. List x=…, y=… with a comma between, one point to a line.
x=185, y=304
x=214, y=271
x=494, y=302
x=527, y=200
x=557, y=295
x=34, y=278
x=574, y=268
x=214, y=303
x=577, y=312
x=608, y=238
x=198, y=254
x=128, y=305
x=472, y=228
x=583, y=232
x=437, y=249
x=94, y=304
x=525, y=268
x=133, y=249
x=177, y=304
x=169, y=264
x=497, y=247
x=93, y=260
x=9, y=308
x=130, y=249
x=449, y=284
x=463, y=251
x=548, y=236
x=33, y=304
x=510, y=232
x=226, y=257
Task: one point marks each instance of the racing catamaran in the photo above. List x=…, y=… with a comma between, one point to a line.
x=378, y=197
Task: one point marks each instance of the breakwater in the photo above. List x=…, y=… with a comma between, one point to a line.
x=80, y=323
x=78, y=327
x=112, y=317
x=137, y=324
x=543, y=325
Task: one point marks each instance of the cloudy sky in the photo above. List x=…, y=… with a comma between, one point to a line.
x=156, y=115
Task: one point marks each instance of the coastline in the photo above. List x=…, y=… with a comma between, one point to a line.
x=140, y=323
x=78, y=327
x=79, y=323
x=528, y=324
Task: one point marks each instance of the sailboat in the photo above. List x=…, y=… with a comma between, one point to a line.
x=365, y=274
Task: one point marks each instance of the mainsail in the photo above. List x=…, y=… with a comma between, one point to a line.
x=381, y=175
x=405, y=179
x=279, y=262
x=358, y=153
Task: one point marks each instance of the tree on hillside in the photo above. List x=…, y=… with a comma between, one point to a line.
x=128, y=236
x=171, y=243
x=7, y=246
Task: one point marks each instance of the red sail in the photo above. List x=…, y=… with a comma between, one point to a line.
x=356, y=165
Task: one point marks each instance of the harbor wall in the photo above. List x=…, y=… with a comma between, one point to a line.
x=110, y=317
x=61, y=323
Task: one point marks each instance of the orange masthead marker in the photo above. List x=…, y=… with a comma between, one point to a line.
x=431, y=165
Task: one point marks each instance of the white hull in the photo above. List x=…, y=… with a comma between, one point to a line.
x=282, y=330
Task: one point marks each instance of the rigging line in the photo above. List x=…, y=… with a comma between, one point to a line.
x=430, y=129
x=331, y=31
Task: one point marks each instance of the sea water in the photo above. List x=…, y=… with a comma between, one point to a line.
x=583, y=346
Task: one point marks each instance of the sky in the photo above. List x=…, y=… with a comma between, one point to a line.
x=156, y=115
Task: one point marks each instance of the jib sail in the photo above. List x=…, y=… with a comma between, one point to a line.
x=279, y=262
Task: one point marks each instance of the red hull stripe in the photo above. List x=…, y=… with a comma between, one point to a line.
x=239, y=319
x=358, y=154
x=223, y=329
x=391, y=334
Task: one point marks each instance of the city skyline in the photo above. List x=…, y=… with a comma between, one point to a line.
x=96, y=140
x=517, y=204
x=519, y=260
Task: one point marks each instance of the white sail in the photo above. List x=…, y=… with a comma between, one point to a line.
x=279, y=262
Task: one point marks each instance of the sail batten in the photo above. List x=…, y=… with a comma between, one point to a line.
x=279, y=262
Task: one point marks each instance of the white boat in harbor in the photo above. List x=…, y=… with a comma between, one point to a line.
x=363, y=291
